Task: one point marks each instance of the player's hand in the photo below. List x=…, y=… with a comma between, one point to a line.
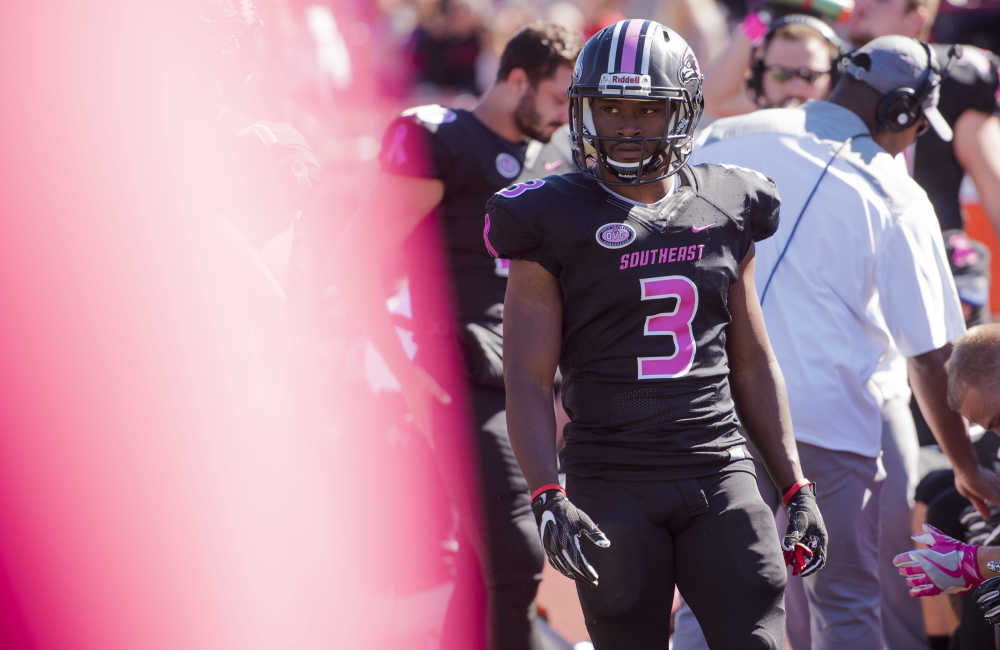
x=947, y=566
x=978, y=485
x=979, y=531
x=988, y=599
x=421, y=392
x=805, y=540
x=562, y=526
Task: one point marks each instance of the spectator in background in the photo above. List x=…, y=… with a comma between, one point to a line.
x=970, y=265
x=727, y=73
x=439, y=167
x=976, y=23
x=446, y=44
x=598, y=14
x=796, y=62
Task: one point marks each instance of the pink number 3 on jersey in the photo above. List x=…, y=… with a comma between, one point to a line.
x=676, y=324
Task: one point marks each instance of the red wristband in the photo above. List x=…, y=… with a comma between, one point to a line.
x=792, y=491
x=547, y=487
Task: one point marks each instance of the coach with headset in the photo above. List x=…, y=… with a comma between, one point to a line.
x=856, y=271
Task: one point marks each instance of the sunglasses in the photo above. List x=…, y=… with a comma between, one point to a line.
x=781, y=74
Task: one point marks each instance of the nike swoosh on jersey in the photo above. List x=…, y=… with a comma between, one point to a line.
x=549, y=166
x=697, y=229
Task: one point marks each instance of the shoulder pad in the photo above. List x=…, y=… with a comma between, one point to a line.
x=519, y=218
x=542, y=194
x=430, y=116
x=748, y=197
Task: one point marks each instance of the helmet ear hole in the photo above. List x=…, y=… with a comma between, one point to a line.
x=589, y=134
x=588, y=118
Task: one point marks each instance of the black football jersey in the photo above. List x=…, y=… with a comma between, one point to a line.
x=645, y=290
x=473, y=162
x=972, y=83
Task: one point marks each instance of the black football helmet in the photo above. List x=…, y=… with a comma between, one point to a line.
x=643, y=60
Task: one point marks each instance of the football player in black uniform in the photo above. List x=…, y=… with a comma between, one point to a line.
x=635, y=276
x=441, y=165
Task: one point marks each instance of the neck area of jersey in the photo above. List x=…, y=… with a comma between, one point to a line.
x=670, y=190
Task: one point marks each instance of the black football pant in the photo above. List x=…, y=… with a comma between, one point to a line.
x=714, y=537
x=512, y=569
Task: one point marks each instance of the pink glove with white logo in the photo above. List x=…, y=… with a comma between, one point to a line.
x=948, y=566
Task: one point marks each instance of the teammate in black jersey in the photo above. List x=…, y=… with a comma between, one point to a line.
x=441, y=165
x=635, y=276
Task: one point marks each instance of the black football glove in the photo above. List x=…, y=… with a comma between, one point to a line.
x=979, y=531
x=987, y=596
x=561, y=525
x=805, y=539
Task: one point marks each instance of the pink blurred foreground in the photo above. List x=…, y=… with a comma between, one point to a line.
x=160, y=485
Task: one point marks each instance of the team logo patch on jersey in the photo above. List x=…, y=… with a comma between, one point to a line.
x=508, y=166
x=615, y=235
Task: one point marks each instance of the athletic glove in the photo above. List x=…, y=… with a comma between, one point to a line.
x=561, y=526
x=947, y=566
x=804, y=544
x=988, y=598
x=979, y=531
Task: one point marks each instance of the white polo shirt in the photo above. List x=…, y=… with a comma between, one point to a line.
x=864, y=274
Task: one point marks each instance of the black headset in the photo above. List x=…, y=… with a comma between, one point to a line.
x=901, y=107
x=755, y=82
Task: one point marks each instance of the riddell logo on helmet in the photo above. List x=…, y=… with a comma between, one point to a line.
x=625, y=84
x=626, y=79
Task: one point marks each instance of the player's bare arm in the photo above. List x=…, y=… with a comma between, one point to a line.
x=757, y=383
x=532, y=338
x=405, y=201
x=762, y=403
x=929, y=381
x=977, y=147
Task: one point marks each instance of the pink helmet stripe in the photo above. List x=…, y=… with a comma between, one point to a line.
x=631, y=45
